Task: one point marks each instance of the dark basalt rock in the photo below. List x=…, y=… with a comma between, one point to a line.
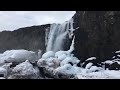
x=98, y=34
x=28, y=38
x=113, y=66
x=13, y=64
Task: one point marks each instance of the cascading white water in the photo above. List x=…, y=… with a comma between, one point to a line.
x=58, y=34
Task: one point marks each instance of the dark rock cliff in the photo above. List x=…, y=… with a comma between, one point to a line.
x=29, y=38
x=98, y=34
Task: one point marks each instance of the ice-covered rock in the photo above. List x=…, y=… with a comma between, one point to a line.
x=25, y=70
x=48, y=55
x=69, y=59
x=51, y=62
x=58, y=53
x=89, y=65
x=68, y=69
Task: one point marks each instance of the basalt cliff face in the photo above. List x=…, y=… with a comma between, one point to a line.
x=98, y=34
x=28, y=38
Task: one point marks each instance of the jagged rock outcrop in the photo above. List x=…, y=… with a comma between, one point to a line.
x=98, y=34
x=28, y=38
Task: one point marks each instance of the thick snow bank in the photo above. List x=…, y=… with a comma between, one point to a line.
x=17, y=56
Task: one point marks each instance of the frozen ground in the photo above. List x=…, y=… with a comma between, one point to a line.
x=61, y=61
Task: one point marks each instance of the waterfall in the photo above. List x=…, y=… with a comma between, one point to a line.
x=58, y=34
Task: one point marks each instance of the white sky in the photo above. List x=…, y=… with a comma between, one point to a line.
x=11, y=20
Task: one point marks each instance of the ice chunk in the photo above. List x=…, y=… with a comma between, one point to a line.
x=72, y=46
x=68, y=69
x=68, y=59
x=64, y=68
x=48, y=55
x=24, y=68
x=59, y=53
x=62, y=57
x=89, y=65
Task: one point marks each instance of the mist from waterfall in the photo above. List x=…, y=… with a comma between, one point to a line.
x=58, y=34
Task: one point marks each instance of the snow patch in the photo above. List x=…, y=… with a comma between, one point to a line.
x=91, y=58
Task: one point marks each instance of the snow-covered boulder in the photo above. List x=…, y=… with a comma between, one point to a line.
x=51, y=62
x=18, y=56
x=57, y=54
x=41, y=63
x=25, y=70
x=61, y=57
x=48, y=55
x=64, y=68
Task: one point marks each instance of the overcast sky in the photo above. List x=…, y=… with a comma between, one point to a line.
x=11, y=20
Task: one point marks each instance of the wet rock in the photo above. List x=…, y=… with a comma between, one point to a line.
x=114, y=66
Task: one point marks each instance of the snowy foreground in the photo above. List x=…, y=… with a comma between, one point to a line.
x=23, y=64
